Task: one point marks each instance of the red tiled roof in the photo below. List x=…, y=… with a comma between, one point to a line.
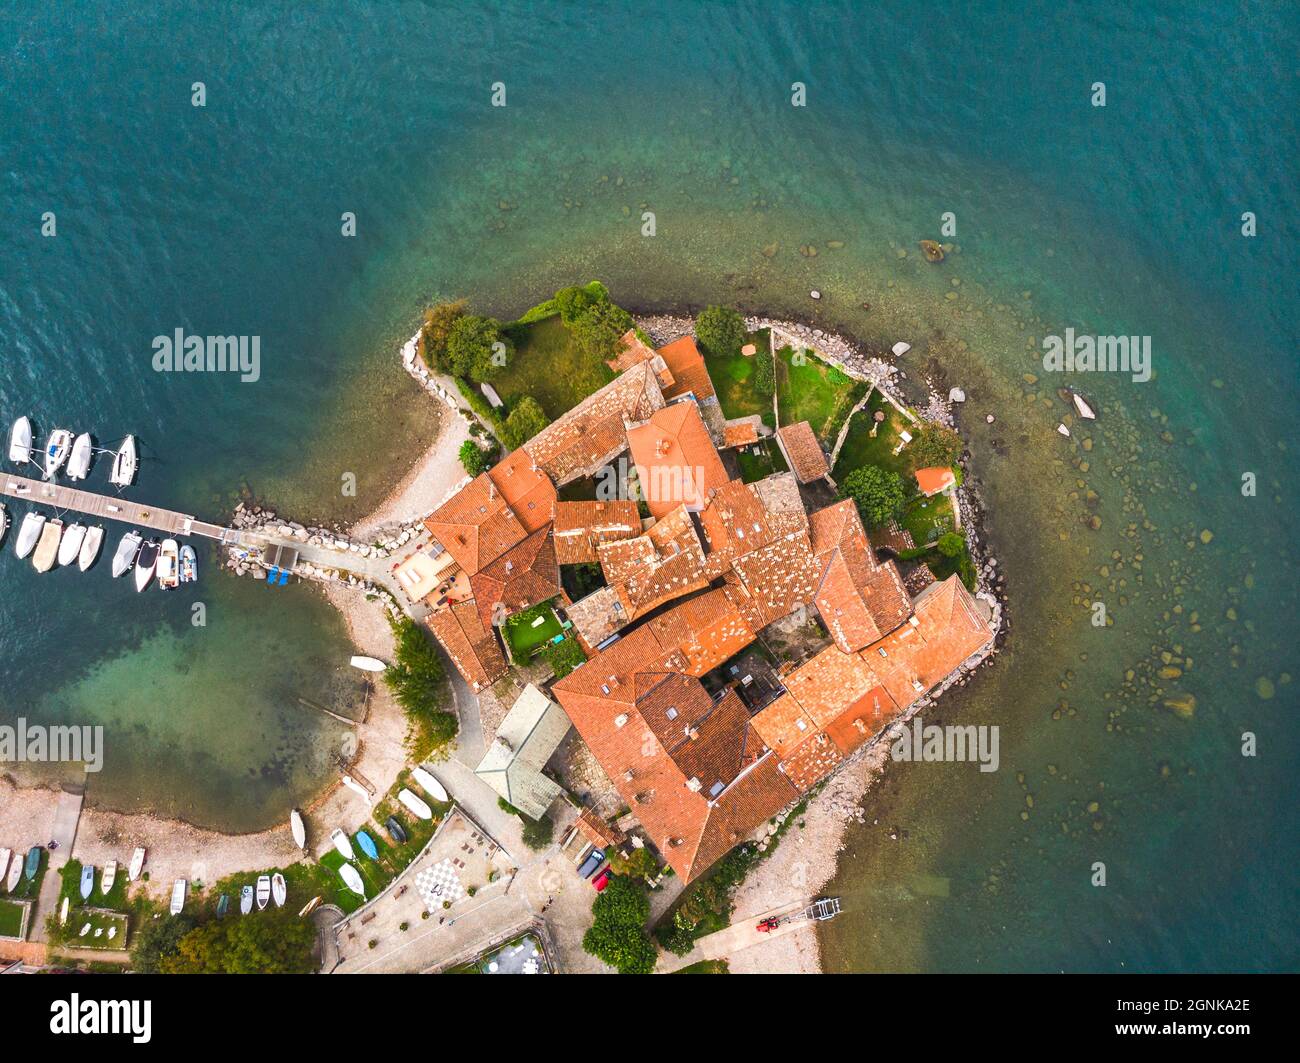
x=473, y=649
x=580, y=527
x=524, y=575
x=807, y=459
x=707, y=629
x=676, y=462
x=739, y=434
x=934, y=479
x=688, y=370
x=784, y=725
x=476, y=524
x=631, y=351
x=526, y=489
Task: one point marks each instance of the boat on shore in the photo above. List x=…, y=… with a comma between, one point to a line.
x=343, y=844
x=245, y=900
x=79, y=460
x=309, y=907
x=415, y=805
x=15, y=873
x=352, y=879
x=430, y=785
x=29, y=532
x=33, y=862
x=90, y=547
x=367, y=845
x=178, y=896
x=87, y=881
x=125, y=462
x=126, y=553
x=56, y=451
x=263, y=891
x=137, y=864
x=223, y=905
x=5, y=854
x=20, y=441
x=298, y=828
x=395, y=830
x=356, y=787
x=168, y=565
x=368, y=664
x=63, y=911
x=47, y=547
x=279, y=891
x=189, y=564
x=70, y=545
x=145, y=563
x=109, y=877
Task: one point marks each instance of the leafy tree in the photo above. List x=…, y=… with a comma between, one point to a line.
x=524, y=422
x=564, y=657
x=474, y=458
x=617, y=935
x=276, y=942
x=538, y=832
x=935, y=445
x=419, y=684
x=470, y=347
x=438, y=320
x=720, y=330
x=763, y=376
x=157, y=939
x=597, y=330
x=951, y=544
x=878, y=493
x=576, y=300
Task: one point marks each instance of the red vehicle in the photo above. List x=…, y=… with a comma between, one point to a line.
x=601, y=880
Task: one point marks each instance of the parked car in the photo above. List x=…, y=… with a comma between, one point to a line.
x=601, y=880
x=590, y=865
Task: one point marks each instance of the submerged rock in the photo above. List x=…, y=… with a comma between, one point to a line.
x=1183, y=705
x=933, y=251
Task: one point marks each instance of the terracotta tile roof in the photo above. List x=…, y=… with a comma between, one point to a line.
x=779, y=577
x=707, y=630
x=526, y=489
x=599, y=615
x=476, y=524
x=811, y=762
x=631, y=351
x=735, y=521
x=594, y=431
x=688, y=370
x=664, y=563
x=780, y=496
x=934, y=479
x=524, y=575
x=600, y=833
x=891, y=536
x=784, y=725
x=582, y=526
x=739, y=434
x=473, y=649
x=830, y=683
x=802, y=450
x=867, y=716
x=676, y=461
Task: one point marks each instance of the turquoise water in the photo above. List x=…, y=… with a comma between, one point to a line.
x=1116, y=220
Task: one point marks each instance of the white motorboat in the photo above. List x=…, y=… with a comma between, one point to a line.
x=20, y=440
x=263, y=891
x=299, y=829
x=125, y=462
x=109, y=877
x=368, y=664
x=47, y=547
x=178, y=896
x=5, y=854
x=79, y=460
x=4, y=521
x=125, y=555
x=189, y=564
x=70, y=545
x=431, y=785
x=145, y=563
x=136, y=865
x=279, y=891
x=343, y=844
x=352, y=879
x=91, y=547
x=1081, y=405
x=29, y=533
x=57, y=451
x=415, y=805
x=169, y=560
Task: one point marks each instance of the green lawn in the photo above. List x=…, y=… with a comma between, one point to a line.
x=762, y=459
x=70, y=887
x=731, y=376
x=861, y=449
x=549, y=367
x=523, y=637
x=815, y=392
x=706, y=967
x=927, y=518
x=100, y=922
x=11, y=918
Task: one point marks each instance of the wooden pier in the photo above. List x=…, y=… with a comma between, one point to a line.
x=111, y=507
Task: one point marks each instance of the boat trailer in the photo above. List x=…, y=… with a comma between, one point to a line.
x=819, y=911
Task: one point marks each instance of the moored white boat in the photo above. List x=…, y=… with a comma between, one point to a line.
x=189, y=571
x=343, y=844
x=352, y=879
x=20, y=440
x=4, y=521
x=109, y=877
x=5, y=854
x=263, y=891
x=169, y=557
x=136, y=865
x=80, y=458
x=125, y=554
x=56, y=451
x=178, y=896
x=47, y=547
x=279, y=891
x=431, y=785
x=368, y=664
x=29, y=532
x=90, y=548
x=125, y=463
x=145, y=563
x=416, y=805
x=70, y=545
x=299, y=829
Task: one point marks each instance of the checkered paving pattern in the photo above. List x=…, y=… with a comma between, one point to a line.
x=439, y=883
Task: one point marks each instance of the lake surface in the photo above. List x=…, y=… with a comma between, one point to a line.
x=1116, y=220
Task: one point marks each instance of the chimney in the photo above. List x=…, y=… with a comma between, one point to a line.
x=693, y=784
x=644, y=797
x=628, y=775
x=620, y=719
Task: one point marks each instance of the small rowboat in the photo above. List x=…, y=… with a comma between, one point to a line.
x=415, y=805
x=63, y=911
x=5, y=854
x=431, y=785
x=33, y=863
x=299, y=829
x=15, y=873
x=136, y=865
x=356, y=787
x=109, y=877
x=279, y=891
x=189, y=564
x=343, y=844
x=352, y=879
x=87, y=881
x=178, y=896
x=29, y=533
x=246, y=900
x=368, y=664
x=263, y=891
x=223, y=905
x=309, y=907
x=4, y=527
x=395, y=830
x=367, y=845
x=1081, y=405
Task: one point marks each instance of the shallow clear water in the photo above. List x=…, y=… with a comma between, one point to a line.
x=1119, y=220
